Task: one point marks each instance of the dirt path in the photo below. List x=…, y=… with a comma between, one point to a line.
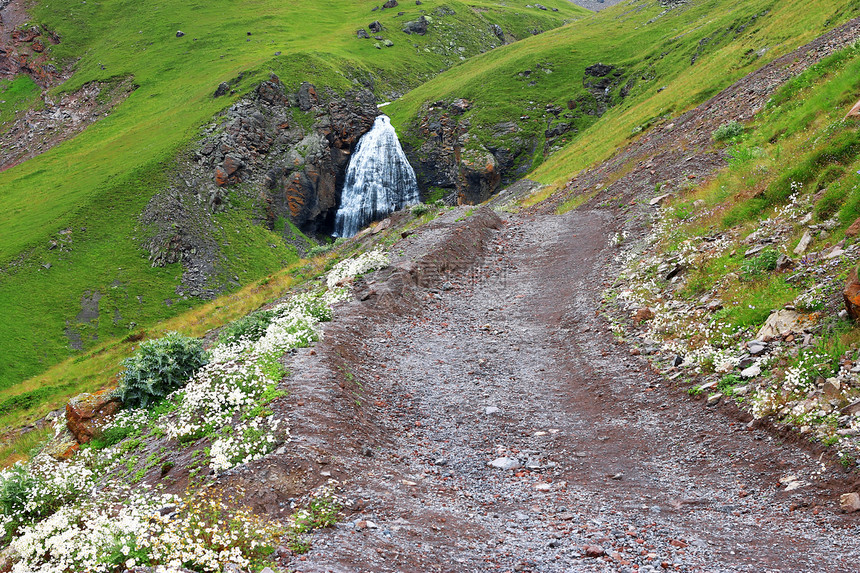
x=486, y=346
x=610, y=457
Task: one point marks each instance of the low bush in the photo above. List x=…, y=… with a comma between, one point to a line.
x=158, y=368
x=728, y=131
x=251, y=327
x=419, y=210
x=763, y=263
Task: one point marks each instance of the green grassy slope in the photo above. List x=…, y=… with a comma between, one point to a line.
x=794, y=171
x=654, y=49
x=86, y=194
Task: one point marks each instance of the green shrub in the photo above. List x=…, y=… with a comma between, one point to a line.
x=727, y=384
x=158, y=368
x=728, y=131
x=419, y=210
x=764, y=262
x=251, y=327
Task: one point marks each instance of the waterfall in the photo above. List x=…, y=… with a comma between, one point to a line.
x=379, y=180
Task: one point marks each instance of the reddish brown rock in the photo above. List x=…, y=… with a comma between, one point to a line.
x=643, y=315
x=221, y=178
x=87, y=413
x=851, y=294
x=854, y=229
x=594, y=551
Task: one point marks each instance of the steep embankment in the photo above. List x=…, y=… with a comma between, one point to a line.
x=563, y=100
x=75, y=254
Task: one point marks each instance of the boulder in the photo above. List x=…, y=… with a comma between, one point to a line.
x=784, y=322
x=87, y=413
x=390, y=4
x=223, y=89
x=375, y=26
x=460, y=106
x=854, y=229
x=418, y=26
x=849, y=502
x=851, y=295
x=362, y=34
x=62, y=446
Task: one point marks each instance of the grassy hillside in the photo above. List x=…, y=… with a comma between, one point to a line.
x=793, y=177
x=72, y=270
x=665, y=61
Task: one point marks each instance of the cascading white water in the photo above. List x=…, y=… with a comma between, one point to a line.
x=379, y=180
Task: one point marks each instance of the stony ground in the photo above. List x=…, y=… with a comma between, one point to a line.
x=604, y=466
x=477, y=414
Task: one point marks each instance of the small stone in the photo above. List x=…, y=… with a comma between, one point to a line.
x=849, y=502
x=179, y=33
x=755, y=347
x=751, y=372
x=715, y=399
x=677, y=361
x=543, y=487
x=594, y=551
x=643, y=315
x=491, y=410
x=505, y=463
x=832, y=388
x=784, y=263
x=803, y=244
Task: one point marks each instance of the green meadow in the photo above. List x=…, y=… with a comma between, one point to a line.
x=87, y=193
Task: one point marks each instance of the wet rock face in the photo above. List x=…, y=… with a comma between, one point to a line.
x=449, y=157
x=287, y=152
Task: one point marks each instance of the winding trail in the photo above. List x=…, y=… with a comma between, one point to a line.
x=612, y=458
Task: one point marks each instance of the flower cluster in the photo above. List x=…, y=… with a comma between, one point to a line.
x=351, y=268
x=68, y=516
x=30, y=494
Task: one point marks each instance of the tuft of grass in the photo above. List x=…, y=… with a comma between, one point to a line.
x=728, y=131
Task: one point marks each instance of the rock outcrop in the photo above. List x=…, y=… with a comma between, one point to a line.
x=450, y=158
x=87, y=413
x=285, y=152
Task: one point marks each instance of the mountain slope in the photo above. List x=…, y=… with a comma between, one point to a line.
x=563, y=100
x=73, y=263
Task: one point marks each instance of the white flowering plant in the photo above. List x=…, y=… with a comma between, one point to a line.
x=70, y=516
x=349, y=269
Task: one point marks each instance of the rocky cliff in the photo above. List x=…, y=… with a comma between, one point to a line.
x=284, y=153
